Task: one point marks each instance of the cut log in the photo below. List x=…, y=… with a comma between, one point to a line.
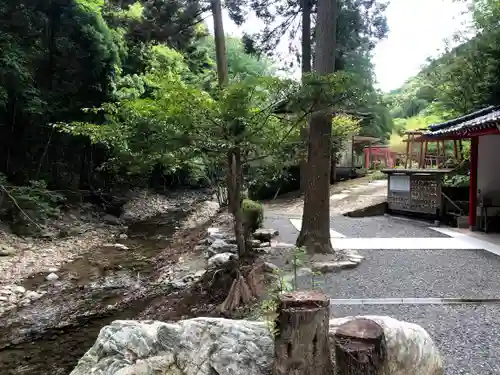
x=301, y=341
x=360, y=348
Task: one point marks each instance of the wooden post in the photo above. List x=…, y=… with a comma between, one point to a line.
x=408, y=157
x=426, y=151
x=301, y=343
x=360, y=348
x=474, y=148
x=455, y=150
x=421, y=161
x=369, y=157
x=438, y=154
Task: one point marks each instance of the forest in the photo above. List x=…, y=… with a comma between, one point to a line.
x=102, y=95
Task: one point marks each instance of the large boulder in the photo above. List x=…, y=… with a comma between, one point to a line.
x=410, y=349
x=197, y=346
x=206, y=346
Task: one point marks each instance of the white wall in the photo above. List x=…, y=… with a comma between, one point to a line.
x=488, y=173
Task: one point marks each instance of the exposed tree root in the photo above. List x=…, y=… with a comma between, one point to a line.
x=243, y=291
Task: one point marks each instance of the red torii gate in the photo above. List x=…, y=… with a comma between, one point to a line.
x=382, y=153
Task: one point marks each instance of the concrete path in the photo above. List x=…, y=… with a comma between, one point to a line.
x=441, y=278
x=345, y=196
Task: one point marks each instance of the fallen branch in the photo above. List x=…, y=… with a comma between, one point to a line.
x=4, y=189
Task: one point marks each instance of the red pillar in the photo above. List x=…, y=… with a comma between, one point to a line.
x=368, y=157
x=474, y=143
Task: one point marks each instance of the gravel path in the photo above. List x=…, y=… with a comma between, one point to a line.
x=382, y=227
x=468, y=336
x=417, y=274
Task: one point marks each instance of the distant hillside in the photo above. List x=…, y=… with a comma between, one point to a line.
x=465, y=79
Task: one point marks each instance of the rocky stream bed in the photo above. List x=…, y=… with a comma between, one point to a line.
x=144, y=271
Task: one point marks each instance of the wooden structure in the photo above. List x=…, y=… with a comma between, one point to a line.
x=482, y=128
x=421, y=155
x=379, y=154
x=415, y=190
x=301, y=341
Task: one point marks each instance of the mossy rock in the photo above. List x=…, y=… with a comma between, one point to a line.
x=253, y=214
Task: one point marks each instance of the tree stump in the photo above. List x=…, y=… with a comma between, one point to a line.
x=301, y=339
x=360, y=348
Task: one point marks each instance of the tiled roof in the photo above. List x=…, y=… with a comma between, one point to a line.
x=483, y=119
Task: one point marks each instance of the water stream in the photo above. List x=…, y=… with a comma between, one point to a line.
x=108, y=283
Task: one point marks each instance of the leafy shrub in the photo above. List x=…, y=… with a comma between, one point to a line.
x=378, y=175
x=458, y=180
x=253, y=214
x=26, y=208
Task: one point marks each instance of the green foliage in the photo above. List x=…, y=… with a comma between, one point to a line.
x=95, y=93
x=26, y=208
x=460, y=80
x=253, y=214
x=457, y=180
x=378, y=175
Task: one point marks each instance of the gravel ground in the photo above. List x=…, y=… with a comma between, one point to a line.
x=467, y=335
x=382, y=227
x=417, y=274
x=287, y=231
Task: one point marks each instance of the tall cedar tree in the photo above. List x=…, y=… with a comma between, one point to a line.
x=306, y=69
x=315, y=231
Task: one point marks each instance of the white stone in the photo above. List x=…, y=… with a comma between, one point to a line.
x=53, y=269
x=265, y=235
x=32, y=295
x=219, y=260
x=116, y=245
x=220, y=246
x=212, y=231
x=51, y=277
x=198, y=274
x=18, y=289
x=122, y=236
x=206, y=346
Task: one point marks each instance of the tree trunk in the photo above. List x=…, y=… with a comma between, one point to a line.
x=315, y=231
x=306, y=68
x=301, y=342
x=360, y=348
x=236, y=174
x=220, y=44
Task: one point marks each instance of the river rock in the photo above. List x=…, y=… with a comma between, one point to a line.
x=221, y=246
x=255, y=244
x=218, y=260
x=116, y=245
x=6, y=250
x=265, y=235
x=110, y=219
x=206, y=346
x=51, y=277
x=31, y=295
x=18, y=289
